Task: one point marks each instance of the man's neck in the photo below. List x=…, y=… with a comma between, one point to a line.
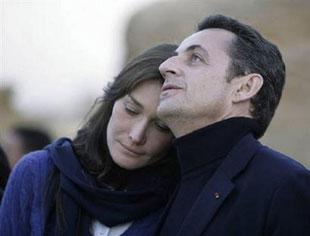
x=181, y=126
x=213, y=141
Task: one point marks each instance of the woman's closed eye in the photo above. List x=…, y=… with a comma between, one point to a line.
x=130, y=110
x=161, y=126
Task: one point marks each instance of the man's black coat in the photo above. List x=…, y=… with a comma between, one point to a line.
x=256, y=191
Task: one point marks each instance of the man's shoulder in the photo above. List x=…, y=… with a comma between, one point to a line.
x=274, y=168
x=276, y=160
x=261, y=162
x=264, y=156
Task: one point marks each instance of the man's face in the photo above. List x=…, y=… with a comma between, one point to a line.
x=196, y=88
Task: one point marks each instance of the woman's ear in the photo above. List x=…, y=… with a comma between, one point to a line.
x=247, y=87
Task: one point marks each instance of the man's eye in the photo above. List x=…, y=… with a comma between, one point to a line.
x=195, y=58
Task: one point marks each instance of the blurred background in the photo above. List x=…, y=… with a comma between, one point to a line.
x=56, y=56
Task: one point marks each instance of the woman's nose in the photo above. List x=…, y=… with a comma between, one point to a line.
x=137, y=134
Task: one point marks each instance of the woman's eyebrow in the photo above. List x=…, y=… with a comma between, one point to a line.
x=135, y=101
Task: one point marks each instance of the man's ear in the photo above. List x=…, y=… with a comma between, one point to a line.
x=247, y=87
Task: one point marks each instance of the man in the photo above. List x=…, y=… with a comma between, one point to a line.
x=220, y=93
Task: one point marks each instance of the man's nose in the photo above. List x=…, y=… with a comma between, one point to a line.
x=170, y=67
x=137, y=134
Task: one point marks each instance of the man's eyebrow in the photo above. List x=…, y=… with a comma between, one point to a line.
x=135, y=100
x=199, y=47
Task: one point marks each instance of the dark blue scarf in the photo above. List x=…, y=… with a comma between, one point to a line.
x=83, y=200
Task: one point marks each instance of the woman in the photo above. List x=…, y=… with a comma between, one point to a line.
x=113, y=178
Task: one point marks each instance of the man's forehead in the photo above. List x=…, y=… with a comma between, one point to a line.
x=207, y=38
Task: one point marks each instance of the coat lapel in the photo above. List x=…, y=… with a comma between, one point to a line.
x=210, y=199
x=217, y=189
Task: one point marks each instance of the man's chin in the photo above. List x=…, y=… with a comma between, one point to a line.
x=165, y=109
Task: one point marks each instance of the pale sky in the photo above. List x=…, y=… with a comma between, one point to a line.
x=57, y=53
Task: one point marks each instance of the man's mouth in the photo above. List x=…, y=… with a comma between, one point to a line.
x=167, y=87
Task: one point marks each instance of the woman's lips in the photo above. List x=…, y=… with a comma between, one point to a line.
x=131, y=150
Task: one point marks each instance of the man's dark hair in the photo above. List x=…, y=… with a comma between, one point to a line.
x=251, y=53
x=32, y=138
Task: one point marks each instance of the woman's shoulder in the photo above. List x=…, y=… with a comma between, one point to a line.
x=35, y=161
x=32, y=168
x=23, y=194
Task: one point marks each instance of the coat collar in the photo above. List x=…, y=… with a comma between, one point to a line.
x=214, y=141
x=218, y=188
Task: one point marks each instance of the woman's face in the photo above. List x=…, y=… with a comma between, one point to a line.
x=135, y=135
